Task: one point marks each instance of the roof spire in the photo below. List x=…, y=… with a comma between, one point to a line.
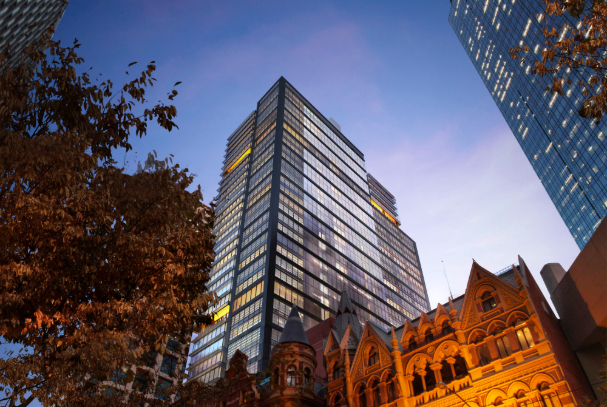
x=294, y=330
x=345, y=304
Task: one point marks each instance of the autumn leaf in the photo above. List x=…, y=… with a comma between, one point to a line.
x=90, y=254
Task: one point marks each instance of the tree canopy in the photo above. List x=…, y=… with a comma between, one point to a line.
x=97, y=266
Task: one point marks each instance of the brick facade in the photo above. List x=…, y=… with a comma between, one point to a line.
x=495, y=345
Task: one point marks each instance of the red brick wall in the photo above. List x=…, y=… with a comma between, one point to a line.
x=565, y=356
x=317, y=336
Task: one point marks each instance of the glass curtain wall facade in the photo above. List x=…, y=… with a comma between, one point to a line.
x=567, y=152
x=22, y=22
x=299, y=220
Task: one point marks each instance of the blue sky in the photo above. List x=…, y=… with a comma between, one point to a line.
x=392, y=74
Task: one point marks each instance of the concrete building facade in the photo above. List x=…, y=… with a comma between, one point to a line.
x=580, y=298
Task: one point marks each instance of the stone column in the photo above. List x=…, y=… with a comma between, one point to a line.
x=513, y=339
x=451, y=362
x=408, y=386
x=398, y=366
x=493, y=350
x=369, y=396
x=467, y=355
x=436, y=368
x=383, y=393
x=474, y=357
x=422, y=373
x=348, y=379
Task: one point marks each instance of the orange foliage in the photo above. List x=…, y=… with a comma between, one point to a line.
x=581, y=49
x=97, y=266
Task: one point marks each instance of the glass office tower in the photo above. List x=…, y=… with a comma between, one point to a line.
x=299, y=220
x=567, y=152
x=22, y=22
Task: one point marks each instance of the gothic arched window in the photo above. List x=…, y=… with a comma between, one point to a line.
x=376, y=395
x=461, y=369
x=430, y=379
x=446, y=372
x=502, y=342
x=362, y=397
x=307, y=377
x=291, y=376
x=418, y=385
x=446, y=328
x=488, y=301
x=524, y=335
x=373, y=357
x=336, y=371
x=390, y=388
x=484, y=356
x=428, y=337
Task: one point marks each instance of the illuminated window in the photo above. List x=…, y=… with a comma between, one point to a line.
x=524, y=335
x=373, y=357
x=488, y=301
x=291, y=376
x=242, y=157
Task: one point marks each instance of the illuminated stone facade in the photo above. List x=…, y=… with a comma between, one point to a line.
x=498, y=344
x=291, y=383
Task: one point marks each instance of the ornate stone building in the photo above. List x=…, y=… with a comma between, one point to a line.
x=290, y=378
x=499, y=344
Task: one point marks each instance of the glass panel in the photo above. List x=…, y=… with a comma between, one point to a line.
x=507, y=345
x=529, y=337
x=500, y=346
x=521, y=339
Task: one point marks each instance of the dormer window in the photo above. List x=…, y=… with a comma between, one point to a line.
x=373, y=357
x=428, y=337
x=412, y=343
x=446, y=328
x=336, y=371
x=488, y=301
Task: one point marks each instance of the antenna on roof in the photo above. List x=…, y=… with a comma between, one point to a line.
x=444, y=271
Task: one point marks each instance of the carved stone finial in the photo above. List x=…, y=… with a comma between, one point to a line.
x=347, y=359
x=393, y=340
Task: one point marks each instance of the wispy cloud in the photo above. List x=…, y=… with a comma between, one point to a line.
x=483, y=202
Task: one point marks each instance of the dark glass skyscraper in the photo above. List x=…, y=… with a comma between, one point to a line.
x=567, y=152
x=299, y=220
x=22, y=22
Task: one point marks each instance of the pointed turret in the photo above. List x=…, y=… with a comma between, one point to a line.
x=393, y=339
x=345, y=304
x=294, y=330
x=346, y=316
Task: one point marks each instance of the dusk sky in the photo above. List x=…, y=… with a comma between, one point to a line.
x=391, y=73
